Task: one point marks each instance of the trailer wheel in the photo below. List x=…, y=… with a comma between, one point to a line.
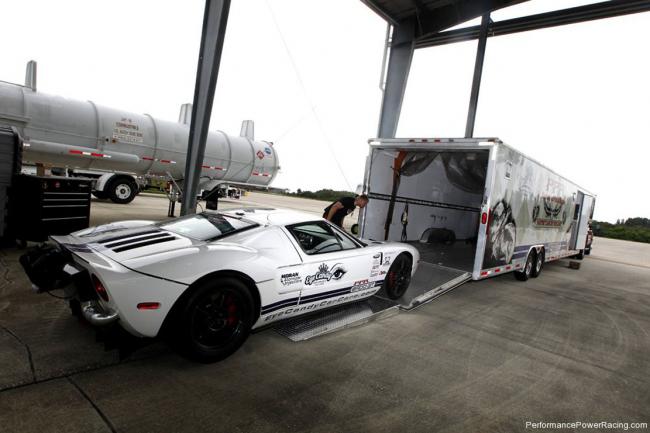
x=539, y=264
x=100, y=195
x=398, y=277
x=525, y=273
x=580, y=255
x=215, y=320
x=122, y=190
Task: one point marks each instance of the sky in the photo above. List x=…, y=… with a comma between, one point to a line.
x=576, y=97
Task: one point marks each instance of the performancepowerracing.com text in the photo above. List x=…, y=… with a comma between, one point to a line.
x=599, y=425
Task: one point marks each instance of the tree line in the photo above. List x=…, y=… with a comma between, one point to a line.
x=322, y=194
x=630, y=229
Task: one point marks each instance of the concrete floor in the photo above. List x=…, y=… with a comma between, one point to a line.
x=489, y=356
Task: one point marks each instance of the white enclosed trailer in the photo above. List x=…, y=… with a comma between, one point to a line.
x=91, y=138
x=474, y=206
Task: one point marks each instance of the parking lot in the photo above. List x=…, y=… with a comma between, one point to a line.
x=572, y=345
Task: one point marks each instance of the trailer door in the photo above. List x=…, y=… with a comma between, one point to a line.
x=577, y=209
x=583, y=225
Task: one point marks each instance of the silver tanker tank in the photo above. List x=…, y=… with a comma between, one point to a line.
x=81, y=134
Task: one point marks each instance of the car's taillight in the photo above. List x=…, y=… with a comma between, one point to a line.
x=100, y=289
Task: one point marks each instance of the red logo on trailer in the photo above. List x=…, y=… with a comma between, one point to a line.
x=260, y=154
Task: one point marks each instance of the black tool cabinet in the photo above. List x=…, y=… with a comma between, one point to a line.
x=48, y=205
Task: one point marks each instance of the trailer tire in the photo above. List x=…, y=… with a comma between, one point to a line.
x=580, y=255
x=121, y=189
x=539, y=264
x=100, y=195
x=525, y=273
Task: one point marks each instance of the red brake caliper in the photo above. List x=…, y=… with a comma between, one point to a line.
x=391, y=278
x=232, y=311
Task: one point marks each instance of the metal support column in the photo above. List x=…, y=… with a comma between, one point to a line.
x=215, y=19
x=399, y=65
x=478, y=72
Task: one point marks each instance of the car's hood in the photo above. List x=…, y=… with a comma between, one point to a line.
x=126, y=240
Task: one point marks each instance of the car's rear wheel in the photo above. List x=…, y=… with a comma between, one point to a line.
x=215, y=320
x=398, y=277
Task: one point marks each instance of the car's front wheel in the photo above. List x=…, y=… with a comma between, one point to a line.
x=215, y=320
x=398, y=277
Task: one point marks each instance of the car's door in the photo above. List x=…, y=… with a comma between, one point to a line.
x=334, y=267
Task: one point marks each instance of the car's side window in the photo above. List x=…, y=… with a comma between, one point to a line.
x=346, y=242
x=317, y=238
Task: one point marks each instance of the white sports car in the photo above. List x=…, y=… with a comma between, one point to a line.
x=208, y=279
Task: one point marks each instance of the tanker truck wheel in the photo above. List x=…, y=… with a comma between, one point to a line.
x=122, y=190
x=100, y=195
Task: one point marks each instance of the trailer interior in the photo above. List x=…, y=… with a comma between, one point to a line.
x=429, y=198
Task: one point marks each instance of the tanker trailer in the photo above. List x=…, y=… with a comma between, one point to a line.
x=119, y=145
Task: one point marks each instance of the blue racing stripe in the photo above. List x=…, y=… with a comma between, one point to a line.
x=547, y=245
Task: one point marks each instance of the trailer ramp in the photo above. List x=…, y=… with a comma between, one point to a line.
x=338, y=318
x=429, y=282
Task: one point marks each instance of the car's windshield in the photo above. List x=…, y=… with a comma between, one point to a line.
x=207, y=226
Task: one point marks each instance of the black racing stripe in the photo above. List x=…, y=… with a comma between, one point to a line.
x=132, y=235
x=320, y=298
x=139, y=239
x=311, y=298
x=286, y=301
x=78, y=248
x=326, y=294
x=279, y=307
x=144, y=244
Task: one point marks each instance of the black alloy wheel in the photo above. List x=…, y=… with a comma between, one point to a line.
x=398, y=277
x=216, y=320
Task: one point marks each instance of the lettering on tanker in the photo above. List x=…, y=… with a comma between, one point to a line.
x=127, y=130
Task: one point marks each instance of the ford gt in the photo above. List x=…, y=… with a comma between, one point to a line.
x=207, y=280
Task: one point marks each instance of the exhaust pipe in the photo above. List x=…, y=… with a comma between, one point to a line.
x=94, y=314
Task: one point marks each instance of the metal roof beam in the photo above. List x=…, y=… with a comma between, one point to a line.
x=457, y=12
x=215, y=19
x=380, y=11
x=607, y=9
x=399, y=66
